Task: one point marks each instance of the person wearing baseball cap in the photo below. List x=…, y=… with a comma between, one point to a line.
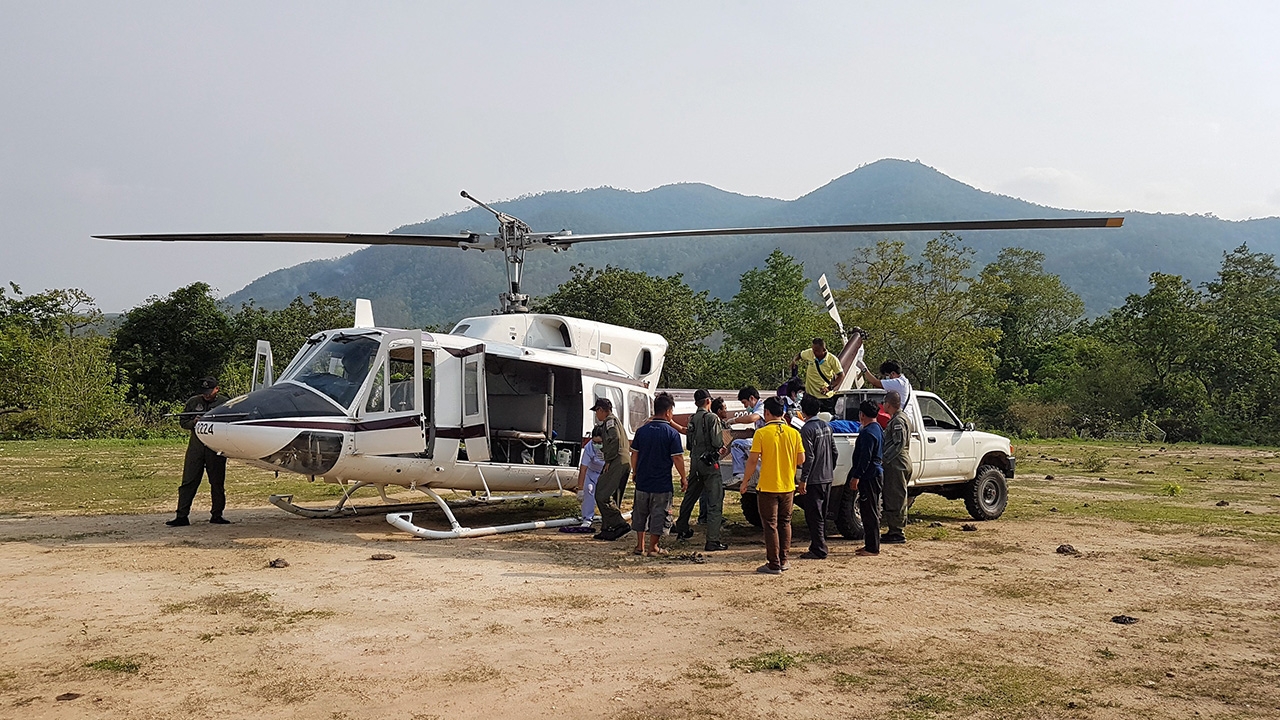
x=200, y=459
x=616, y=451
x=706, y=443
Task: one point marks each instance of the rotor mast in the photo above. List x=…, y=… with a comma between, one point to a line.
x=513, y=239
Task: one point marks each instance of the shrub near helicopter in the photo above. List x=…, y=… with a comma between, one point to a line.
x=499, y=404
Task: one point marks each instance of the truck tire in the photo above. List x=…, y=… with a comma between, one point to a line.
x=842, y=513
x=987, y=494
x=750, y=509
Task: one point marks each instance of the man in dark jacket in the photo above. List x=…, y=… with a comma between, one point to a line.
x=814, y=487
x=200, y=459
x=866, y=475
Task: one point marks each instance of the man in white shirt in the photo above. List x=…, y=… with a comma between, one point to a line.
x=752, y=412
x=890, y=380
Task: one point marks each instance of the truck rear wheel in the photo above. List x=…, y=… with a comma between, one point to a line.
x=842, y=512
x=987, y=494
x=750, y=509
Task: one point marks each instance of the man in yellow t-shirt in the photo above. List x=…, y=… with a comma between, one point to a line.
x=822, y=373
x=778, y=450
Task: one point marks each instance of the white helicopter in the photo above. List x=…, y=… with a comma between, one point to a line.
x=499, y=404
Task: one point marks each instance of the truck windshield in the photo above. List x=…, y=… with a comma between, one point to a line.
x=338, y=369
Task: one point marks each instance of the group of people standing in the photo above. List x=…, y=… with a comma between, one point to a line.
x=795, y=464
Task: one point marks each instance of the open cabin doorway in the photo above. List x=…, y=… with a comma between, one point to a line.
x=535, y=412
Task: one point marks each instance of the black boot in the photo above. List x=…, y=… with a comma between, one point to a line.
x=178, y=522
x=219, y=520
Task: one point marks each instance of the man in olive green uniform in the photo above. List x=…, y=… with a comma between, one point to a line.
x=200, y=458
x=706, y=437
x=613, y=479
x=897, y=470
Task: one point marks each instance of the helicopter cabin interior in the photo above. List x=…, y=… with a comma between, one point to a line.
x=534, y=412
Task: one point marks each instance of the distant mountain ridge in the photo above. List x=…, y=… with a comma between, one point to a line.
x=420, y=286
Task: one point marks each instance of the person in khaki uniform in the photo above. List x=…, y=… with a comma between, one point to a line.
x=613, y=479
x=706, y=438
x=200, y=459
x=897, y=470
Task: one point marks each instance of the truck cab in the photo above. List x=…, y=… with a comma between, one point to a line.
x=948, y=457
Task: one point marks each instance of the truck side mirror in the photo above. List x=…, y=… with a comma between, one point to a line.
x=968, y=426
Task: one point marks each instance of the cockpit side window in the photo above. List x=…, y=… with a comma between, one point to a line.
x=339, y=368
x=401, y=378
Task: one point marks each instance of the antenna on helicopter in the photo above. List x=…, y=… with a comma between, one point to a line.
x=513, y=239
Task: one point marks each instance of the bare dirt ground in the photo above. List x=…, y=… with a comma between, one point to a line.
x=143, y=621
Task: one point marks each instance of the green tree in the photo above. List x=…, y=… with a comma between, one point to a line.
x=667, y=306
x=50, y=313
x=1242, y=349
x=768, y=322
x=1166, y=329
x=61, y=382
x=926, y=315
x=1030, y=308
x=1101, y=380
x=167, y=344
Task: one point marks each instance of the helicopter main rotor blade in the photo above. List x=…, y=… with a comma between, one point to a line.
x=459, y=240
x=1041, y=224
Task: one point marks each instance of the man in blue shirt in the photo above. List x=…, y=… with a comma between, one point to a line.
x=655, y=449
x=867, y=476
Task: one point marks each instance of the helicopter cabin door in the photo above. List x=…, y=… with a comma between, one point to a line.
x=391, y=413
x=475, y=406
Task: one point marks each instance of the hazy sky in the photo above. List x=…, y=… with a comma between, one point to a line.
x=128, y=117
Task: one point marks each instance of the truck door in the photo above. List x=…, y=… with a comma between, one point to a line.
x=391, y=414
x=475, y=407
x=916, y=451
x=944, y=441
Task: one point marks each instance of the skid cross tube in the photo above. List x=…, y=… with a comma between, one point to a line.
x=404, y=520
x=342, y=509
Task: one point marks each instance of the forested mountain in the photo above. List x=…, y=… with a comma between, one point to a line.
x=420, y=286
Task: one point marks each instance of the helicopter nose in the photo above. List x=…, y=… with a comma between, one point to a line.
x=248, y=441
x=286, y=424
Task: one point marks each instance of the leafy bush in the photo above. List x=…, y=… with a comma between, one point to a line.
x=1093, y=461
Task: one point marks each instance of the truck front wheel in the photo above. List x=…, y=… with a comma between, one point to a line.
x=987, y=494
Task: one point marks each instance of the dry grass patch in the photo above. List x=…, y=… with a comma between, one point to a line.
x=707, y=676
x=566, y=602
x=472, y=673
x=251, y=604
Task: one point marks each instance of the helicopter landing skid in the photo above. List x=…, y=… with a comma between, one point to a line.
x=404, y=520
x=342, y=509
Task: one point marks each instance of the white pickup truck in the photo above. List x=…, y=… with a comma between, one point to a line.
x=948, y=458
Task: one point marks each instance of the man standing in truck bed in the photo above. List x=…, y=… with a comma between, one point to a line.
x=822, y=373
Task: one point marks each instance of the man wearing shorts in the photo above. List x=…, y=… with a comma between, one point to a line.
x=655, y=449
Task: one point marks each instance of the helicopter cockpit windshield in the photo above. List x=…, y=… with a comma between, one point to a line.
x=338, y=369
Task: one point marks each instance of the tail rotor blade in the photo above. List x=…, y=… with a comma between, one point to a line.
x=829, y=300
